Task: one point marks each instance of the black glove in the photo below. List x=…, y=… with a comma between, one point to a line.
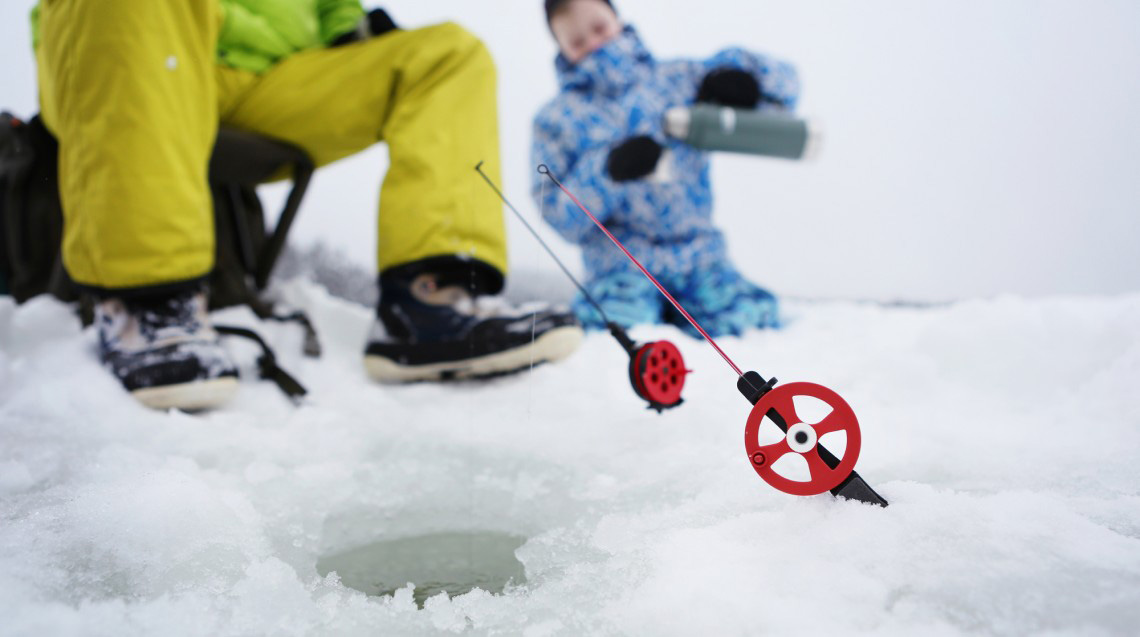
x=377, y=22
x=634, y=158
x=730, y=87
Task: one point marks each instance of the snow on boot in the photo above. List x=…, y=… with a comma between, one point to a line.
x=425, y=331
x=164, y=351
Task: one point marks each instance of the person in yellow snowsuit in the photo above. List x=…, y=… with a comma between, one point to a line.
x=135, y=90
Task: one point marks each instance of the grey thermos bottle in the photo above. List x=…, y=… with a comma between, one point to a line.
x=736, y=130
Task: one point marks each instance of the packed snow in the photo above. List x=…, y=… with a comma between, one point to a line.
x=1003, y=432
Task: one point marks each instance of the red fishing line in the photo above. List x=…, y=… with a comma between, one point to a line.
x=542, y=169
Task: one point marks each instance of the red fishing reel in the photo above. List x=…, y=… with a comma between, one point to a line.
x=657, y=373
x=826, y=471
x=656, y=370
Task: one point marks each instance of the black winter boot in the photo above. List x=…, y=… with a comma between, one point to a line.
x=430, y=329
x=164, y=351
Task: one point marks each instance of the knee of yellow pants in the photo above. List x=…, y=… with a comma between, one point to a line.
x=432, y=99
x=466, y=43
x=454, y=33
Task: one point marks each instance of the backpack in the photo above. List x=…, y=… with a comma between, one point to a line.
x=31, y=225
x=31, y=219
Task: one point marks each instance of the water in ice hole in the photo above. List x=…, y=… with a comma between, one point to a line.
x=454, y=563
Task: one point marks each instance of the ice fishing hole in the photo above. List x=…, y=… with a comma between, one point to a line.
x=454, y=563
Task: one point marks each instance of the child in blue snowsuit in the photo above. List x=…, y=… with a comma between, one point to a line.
x=603, y=137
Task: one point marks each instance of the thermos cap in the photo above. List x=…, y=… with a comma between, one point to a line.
x=813, y=146
x=677, y=121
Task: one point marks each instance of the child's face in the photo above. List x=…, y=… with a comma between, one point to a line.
x=582, y=26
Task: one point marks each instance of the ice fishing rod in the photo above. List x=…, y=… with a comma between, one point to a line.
x=827, y=473
x=656, y=370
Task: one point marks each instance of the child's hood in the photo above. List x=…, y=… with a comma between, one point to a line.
x=611, y=70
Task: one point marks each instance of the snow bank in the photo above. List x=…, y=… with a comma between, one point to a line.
x=1003, y=432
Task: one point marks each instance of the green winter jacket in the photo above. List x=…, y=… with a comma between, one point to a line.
x=255, y=34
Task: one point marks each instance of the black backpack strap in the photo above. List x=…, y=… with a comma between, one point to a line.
x=267, y=362
x=312, y=345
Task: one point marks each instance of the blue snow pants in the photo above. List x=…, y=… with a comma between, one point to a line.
x=720, y=299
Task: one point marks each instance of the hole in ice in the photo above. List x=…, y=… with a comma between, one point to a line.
x=810, y=409
x=454, y=563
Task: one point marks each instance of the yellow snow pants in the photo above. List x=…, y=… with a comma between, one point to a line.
x=134, y=93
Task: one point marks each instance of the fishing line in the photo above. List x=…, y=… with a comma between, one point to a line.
x=656, y=370
x=544, y=170
x=534, y=233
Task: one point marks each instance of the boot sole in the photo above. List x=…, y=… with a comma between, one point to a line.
x=552, y=346
x=203, y=394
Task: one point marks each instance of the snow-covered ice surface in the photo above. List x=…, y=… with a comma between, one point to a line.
x=1004, y=432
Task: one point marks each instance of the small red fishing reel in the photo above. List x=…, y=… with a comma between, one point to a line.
x=826, y=471
x=657, y=373
x=656, y=370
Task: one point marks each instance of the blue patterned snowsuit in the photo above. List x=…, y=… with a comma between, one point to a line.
x=620, y=91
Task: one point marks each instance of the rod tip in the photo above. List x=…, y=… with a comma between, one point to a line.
x=479, y=165
x=543, y=170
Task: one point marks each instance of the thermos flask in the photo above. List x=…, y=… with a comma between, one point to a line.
x=766, y=133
